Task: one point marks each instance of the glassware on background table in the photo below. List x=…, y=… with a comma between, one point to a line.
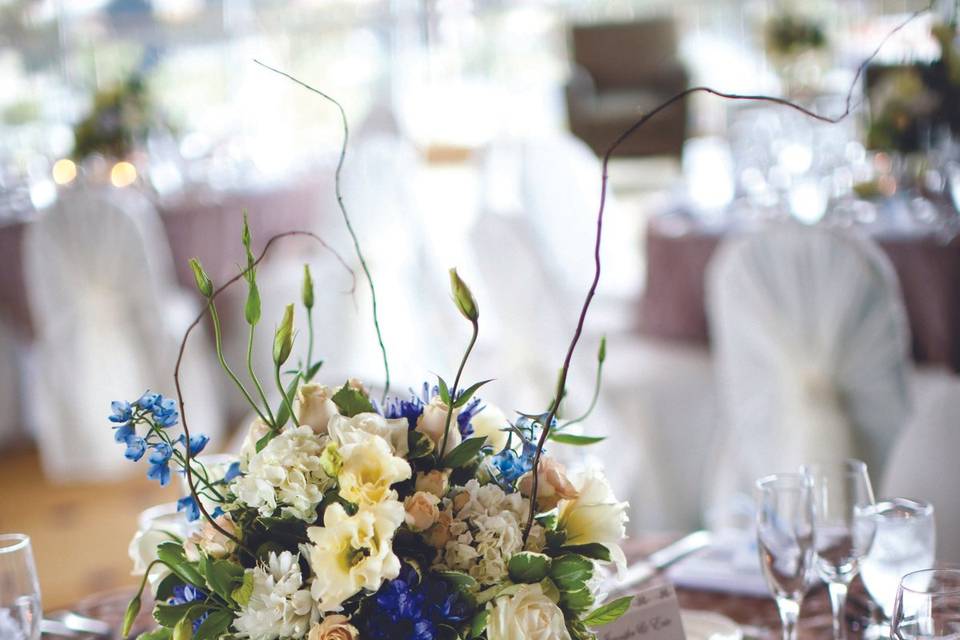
x=785, y=537
x=843, y=530
x=927, y=606
x=905, y=541
x=20, y=611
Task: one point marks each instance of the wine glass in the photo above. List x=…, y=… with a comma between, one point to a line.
x=20, y=611
x=842, y=502
x=905, y=541
x=927, y=606
x=785, y=541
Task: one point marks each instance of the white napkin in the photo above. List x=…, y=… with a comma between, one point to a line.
x=730, y=564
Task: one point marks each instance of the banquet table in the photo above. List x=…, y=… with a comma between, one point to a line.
x=679, y=247
x=757, y=616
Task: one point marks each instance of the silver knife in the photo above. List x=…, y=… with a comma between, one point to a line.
x=642, y=571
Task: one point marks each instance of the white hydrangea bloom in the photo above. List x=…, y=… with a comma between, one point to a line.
x=288, y=473
x=280, y=605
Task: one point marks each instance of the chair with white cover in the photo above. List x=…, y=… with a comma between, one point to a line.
x=811, y=340
x=108, y=319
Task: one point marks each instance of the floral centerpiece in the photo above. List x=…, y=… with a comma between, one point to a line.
x=421, y=516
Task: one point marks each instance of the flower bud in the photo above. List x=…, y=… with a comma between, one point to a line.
x=463, y=297
x=251, y=310
x=203, y=280
x=602, y=353
x=307, y=287
x=128, y=618
x=183, y=630
x=283, y=339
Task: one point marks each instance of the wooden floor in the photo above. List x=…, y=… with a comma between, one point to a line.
x=80, y=532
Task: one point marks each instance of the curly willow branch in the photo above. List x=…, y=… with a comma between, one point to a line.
x=591, y=292
x=183, y=345
x=346, y=218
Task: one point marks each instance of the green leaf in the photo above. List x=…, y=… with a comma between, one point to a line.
x=479, y=624
x=157, y=634
x=571, y=572
x=594, y=551
x=165, y=588
x=464, y=397
x=241, y=595
x=550, y=590
x=444, y=390
x=214, y=626
x=461, y=581
x=312, y=371
x=265, y=440
x=464, y=452
x=419, y=445
x=171, y=554
x=169, y=614
x=578, y=601
x=608, y=613
x=569, y=438
x=223, y=576
x=350, y=402
x=283, y=413
x=528, y=567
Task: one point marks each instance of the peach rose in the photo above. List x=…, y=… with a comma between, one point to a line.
x=316, y=407
x=432, y=421
x=421, y=510
x=438, y=535
x=553, y=486
x=436, y=482
x=334, y=627
x=212, y=542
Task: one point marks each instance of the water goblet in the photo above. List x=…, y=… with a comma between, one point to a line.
x=842, y=500
x=785, y=541
x=20, y=611
x=927, y=606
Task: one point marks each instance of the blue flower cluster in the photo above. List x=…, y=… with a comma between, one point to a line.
x=185, y=594
x=412, y=409
x=510, y=466
x=412, y=607
x=158, y=414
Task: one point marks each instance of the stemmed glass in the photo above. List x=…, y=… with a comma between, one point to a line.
x=785, y=541
x=20, y=611
x=842, y=504
x=927, y=606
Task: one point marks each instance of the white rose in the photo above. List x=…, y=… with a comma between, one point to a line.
x=345, y=430
x=594, y=516
x=434, y=481
x=316, y=407
x=258, y=429
x=432, y=424
x=369, y=469
x=527, y=615
x=490, y=423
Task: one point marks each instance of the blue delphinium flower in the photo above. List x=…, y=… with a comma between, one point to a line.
x=412, y=607
x=467, y=414
x=511, y=466
x=148, y=400
x=188, y=505
x=410, y=410
x=232, y=472
x=185, y=594
x=123, y=432
x=122, y=411
x=197, y=442
x=165, y=412
x=136, y=447
x=159, y=472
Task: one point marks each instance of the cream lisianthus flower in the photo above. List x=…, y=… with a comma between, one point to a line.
x=334, y=627
x=432, y=421
x=315, y=407
x=594, y=516
x=528, y=615
x=553, y=485
x=351, y=553
x=369, y=469
x=490, y=422
x=345, y=430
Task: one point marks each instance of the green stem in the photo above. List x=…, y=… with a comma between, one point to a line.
x=309, y=339
x=256, y=380
x=456, y=385
x=283, y=394
x=223, y=362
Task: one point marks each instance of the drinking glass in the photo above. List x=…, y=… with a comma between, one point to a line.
x=905, y=541
x=20, y=611
x=785, y=541
x=927, y=606
x=842, y=500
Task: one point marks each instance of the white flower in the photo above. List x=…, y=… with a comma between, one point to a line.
x=288, y=473
x=280, y=605
x=210, y=540
x=351, y=553
x=490, y=422
x=432, y=424
x=434, y=481
x=315, y=407
x=528, y=614
x=143, y=549
x=345, y=430
x=594, y=516
x=369, y=469
x=257, y=430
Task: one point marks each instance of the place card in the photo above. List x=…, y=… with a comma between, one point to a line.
x=654, y=614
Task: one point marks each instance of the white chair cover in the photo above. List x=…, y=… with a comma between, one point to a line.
x=109, y=319
x=811, y=344
x=11, y=407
